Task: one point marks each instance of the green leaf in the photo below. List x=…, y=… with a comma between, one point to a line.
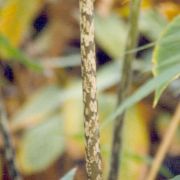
x=176, y=178
x=70, y=175
x=63, y=62
x=151, y=24
x=41, y=145
x=148, y=160
x=38, y=106
x=110, y=34
x=17, y=17
x=108, y=76
x=167, y=54
x=144, y=90
x=135, y=140
x=13, y=53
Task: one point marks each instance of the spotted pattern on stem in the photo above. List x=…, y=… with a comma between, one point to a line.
x=88, y=68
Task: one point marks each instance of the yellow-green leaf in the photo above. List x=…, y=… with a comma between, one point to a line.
x=14, y=54
x=135, y=144
x=167, y=54
x=143, y=91
x=111, y=35
x=37, y=107
x=16, y=17
x=151, y=24
x=41, y=146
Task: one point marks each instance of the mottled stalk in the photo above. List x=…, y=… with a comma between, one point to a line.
x=88, y=68
x=8, y=148
x=124, y=87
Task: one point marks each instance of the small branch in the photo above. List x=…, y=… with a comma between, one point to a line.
x=164, y=146
x=88, y=68
x=8, y=148
x=124, y=86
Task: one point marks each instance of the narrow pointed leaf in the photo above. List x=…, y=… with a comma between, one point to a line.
x=145, y=90
x=167, y=54
x=10, y=52
x=70, y=175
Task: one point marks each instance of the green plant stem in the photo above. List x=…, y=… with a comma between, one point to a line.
x=8, y=147
x=124, y=87
x=88, y=68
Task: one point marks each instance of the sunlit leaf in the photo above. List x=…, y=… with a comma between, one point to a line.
x=41, y=145
x=107, y=104
x=146, y=4
x=70, y=175
x=110, y=35
x=73, y=122
x=167, y=54
x=135, y=140
x=170, y=9
x=16, y=17
x=122, y=7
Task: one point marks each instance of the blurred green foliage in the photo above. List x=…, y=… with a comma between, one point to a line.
x=51, y=118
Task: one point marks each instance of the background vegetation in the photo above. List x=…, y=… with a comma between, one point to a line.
x=41, y=91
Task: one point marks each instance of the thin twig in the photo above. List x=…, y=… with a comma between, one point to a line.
x=164, y=146
x=124, y=87
x=8, y=147
x=88, y=68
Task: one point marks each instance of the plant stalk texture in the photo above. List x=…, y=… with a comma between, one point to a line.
x=124, y=87
x=8, y=147
x=88, y=68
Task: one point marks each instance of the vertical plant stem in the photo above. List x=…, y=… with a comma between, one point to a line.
x=8, y=148
x=164, y=145
x=88, y=68
x=124, y=86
